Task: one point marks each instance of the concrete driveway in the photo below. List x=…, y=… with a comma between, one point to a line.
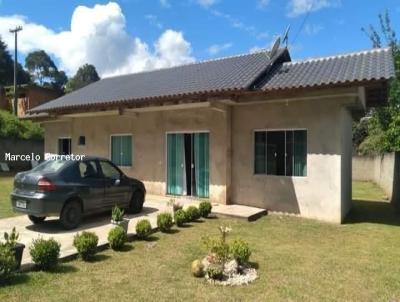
x=100, y=224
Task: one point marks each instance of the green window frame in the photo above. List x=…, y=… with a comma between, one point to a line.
x=122, y=150
x=280, y=152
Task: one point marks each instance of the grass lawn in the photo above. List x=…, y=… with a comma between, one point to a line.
x=6, y=184
x=298, y=260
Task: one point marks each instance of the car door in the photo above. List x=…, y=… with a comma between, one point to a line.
x=93, y=186
x=117, y=187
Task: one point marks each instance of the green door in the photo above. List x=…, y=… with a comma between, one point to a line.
x=201, y=163
x=175, y=164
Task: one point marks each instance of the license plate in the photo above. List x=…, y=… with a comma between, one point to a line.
x=21, y=204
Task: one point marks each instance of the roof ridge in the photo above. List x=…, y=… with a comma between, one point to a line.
x=343, y=55
x=264, y=50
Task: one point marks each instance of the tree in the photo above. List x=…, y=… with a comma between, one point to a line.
x=383, y=130
x=85, y=75
x=44, y=71
x=40, y=66
x=6, y=65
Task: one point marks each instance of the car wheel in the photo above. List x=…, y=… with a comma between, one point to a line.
x=137, y=200
x=71, y=215
x=36, y=219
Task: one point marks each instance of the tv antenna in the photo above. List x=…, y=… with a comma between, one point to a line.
x=275, y=47
x=286, y=36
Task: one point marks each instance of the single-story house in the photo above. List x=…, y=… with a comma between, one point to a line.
x=256, y=129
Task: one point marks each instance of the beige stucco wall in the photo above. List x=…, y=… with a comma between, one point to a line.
x=379, y=169
x=323, y=194
x=148, y=131
x=319, y=194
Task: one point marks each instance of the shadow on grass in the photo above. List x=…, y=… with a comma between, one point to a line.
x=370, y=211
x=126, y=248
x=254, y=265
x=15, y=279
x=98, y=258
x=151, y=239
x=62, y=268
x=171, y=231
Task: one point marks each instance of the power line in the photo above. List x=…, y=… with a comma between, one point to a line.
x=304, y=22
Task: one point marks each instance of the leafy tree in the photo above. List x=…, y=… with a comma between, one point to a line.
x=44, y=71
x=7, y=68
x=40, y=66
x=85, y=75
x=383, y=126
x=6, y=65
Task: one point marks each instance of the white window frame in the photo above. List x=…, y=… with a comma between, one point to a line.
x=266, y=150
x=110, y=148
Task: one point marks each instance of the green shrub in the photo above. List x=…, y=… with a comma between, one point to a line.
x=117, y=238
x=192, y=213
x=45, y=253
x=240, y=250
x=164, y=222
x=205, y=208
x=117, y=214
x=180, y=217
x=7, y=262
x=11, y=126
x=143, y=229
x=215, y=271
x=86, y=244
x=219, y=248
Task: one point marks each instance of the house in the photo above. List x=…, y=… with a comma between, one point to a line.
x=257, y=129
x=29, y=96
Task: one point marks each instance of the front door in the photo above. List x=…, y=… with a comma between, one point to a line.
x=64, y=146
x=93, y=182
x=188, y=164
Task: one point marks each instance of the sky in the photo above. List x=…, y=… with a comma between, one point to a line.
x=125, y=36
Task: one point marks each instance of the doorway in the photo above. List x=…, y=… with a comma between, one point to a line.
x=188, y=164
x=64, y=146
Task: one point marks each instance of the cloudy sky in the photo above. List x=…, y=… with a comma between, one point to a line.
x=127, y=36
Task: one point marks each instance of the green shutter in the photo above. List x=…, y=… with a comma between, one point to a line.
x=115, y=150
x=300, y=153
x=260, y=145
x=201, y=162
x=121, y=150
x=175, y=164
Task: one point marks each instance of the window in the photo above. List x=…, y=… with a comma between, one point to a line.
x=280, y=152
x=109, y=170
x=121, y=150
x=82, y=141
x=88, y=169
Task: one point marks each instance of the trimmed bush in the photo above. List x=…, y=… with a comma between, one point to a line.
x=240, y=250
x=180, y=217
x=197, y=268
x=117, y=238
x=45, y=253
x=7, y=262
x=164, y=222
x=205, y=208
x=192, y=213
x=86, y=244
x=215, y=271
x=143, y=229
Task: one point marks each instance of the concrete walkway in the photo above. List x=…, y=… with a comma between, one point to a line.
x=100, y=224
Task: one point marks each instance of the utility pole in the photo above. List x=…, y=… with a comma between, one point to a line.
x=15, y=32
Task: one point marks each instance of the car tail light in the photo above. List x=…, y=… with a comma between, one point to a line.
x=45, y=185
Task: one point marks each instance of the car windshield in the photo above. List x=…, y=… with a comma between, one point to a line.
x=50, y=166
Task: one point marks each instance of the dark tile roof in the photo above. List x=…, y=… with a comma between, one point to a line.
x=375, y=64
x=226, y=74
x=244, y=72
